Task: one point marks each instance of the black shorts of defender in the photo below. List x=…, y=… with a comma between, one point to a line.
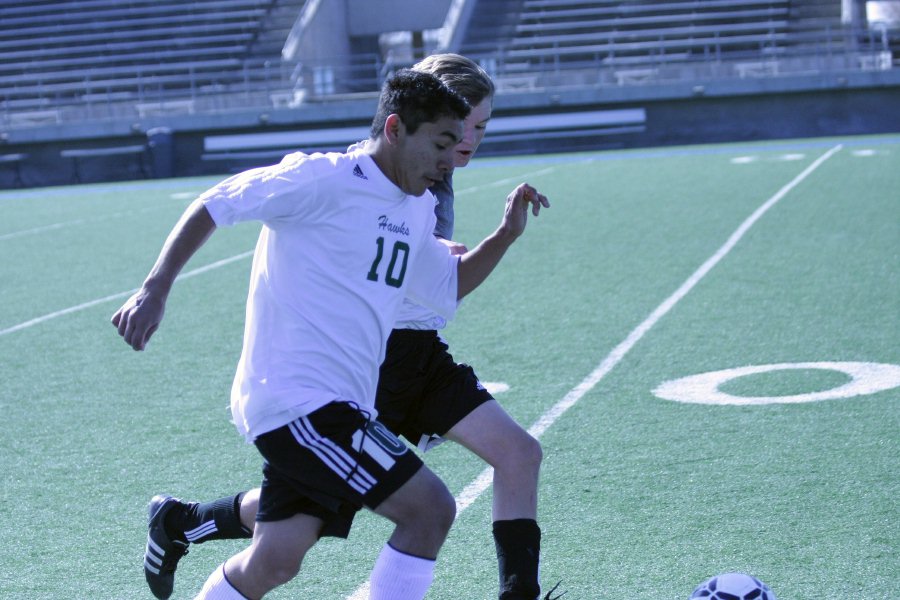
x=329, y=464
x=422, y=391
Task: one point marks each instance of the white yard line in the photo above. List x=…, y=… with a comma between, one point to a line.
x=73, y=222
x=89, y=304
x=41, y=229
x=481, y=483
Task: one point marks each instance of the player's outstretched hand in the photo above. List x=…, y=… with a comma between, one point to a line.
x=517, y=203
x=139, y=318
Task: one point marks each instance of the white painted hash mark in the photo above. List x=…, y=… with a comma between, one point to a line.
x=496, y=387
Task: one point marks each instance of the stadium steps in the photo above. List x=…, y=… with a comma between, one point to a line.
x=94, y=51
x=274, y=29
x=583, y=32
x=492, y=26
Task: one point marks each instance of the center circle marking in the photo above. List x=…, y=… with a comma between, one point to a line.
x=865, y=378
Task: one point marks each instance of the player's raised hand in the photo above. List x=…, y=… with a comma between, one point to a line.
x=517, y=204
x=139, y=318
x=477, y=264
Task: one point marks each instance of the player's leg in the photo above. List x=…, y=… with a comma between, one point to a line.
x=456, y=406
x=515, y=455
x=314, y=480
x=423, y=511
x=489, y=432
x=174, y=524
x=337, y=460
x=198, y=522
x=405, y=567
x=273, y=558
x=289, y=521
x=234, y=516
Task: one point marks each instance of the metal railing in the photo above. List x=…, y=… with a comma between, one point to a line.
x=200, y=87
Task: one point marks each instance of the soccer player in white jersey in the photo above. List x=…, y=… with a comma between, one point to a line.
x=423, y=395
x=316, y=331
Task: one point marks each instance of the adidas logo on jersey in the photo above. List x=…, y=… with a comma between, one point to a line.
x=359, y=172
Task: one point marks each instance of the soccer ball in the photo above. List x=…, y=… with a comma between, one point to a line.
x=733, y=586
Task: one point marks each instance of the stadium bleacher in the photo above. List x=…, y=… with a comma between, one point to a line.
x=61, y=53
x=58, y=53
x=217, y=64
x=634, y=38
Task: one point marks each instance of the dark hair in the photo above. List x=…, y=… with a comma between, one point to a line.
x=461, y=74
x=417, y=98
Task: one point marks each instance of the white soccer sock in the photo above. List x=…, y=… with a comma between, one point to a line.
x=217, y=587
x=399, y=576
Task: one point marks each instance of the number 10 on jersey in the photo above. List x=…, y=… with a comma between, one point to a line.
x=399, y=254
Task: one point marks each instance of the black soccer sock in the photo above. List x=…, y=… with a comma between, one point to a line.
x=203, y=521
x=518, y=545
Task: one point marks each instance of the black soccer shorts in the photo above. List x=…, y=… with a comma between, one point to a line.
x=422, y=391
x=329, y=464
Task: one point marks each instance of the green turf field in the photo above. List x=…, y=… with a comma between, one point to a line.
x=640, y=273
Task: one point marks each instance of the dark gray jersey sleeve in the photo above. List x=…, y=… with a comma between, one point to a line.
x=443, y=191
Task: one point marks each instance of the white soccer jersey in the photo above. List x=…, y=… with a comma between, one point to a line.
x=340, y=248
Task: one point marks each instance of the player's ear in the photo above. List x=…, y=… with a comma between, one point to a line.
x=393, y=128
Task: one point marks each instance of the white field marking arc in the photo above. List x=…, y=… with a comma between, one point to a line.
x=866, y=378
x=85, y=305
x=481, y=483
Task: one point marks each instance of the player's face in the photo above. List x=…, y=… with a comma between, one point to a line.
x=473, y=132
x=427, y=155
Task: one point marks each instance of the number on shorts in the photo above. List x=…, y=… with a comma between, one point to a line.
x=380, y=444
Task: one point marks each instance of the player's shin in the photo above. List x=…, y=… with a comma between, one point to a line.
x=399, y=576
x=217, y=587
x=216, y=520
x=518, y=543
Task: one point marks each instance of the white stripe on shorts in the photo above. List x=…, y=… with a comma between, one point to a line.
x=332, y=455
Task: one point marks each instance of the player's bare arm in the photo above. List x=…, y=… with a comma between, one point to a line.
x=139, y=318
x=476, y=265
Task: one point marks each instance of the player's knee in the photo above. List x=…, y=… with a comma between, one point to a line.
x=424, y=505
x=442, y=519
x=532, y=452
x=277, y=570
x=447, y=510
x=524, y=455
x=271, y=567
x=440, y=507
